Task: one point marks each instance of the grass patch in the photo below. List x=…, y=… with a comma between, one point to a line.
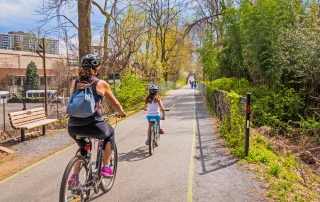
x=287, y=178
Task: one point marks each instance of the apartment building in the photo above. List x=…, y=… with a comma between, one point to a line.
x=27, y=42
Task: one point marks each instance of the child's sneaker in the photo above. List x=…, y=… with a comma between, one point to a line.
x=106, y=172
x=73, y=181
x=161, y=131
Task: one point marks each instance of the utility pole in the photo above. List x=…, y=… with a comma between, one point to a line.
x=43, y=47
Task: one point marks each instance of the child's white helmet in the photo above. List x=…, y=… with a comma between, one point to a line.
x=153, y=89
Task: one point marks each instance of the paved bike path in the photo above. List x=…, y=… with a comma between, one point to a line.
x=166, y=175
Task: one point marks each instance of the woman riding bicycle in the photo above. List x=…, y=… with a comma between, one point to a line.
x=153, y=105
x=94, y=125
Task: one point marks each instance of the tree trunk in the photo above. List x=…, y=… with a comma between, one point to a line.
x=84, y=21
x=104, y=67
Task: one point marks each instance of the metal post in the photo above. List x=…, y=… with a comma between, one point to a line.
x=4, y=114
x=45, y=78
x=23, y=137
x=44, y=130
x=57, y=102
x=247, y=124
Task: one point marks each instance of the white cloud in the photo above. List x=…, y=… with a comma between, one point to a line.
x=18, y=12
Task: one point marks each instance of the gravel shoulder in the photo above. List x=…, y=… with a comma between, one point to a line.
x=32, y=151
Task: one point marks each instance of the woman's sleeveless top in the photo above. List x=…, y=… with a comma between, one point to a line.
x=97, y=116
x=153, y=109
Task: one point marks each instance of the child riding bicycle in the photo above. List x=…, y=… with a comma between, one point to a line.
x=153, y=105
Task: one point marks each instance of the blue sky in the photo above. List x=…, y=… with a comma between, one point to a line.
x=18, y=15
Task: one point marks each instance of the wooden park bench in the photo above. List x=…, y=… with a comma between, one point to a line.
x=28, y=119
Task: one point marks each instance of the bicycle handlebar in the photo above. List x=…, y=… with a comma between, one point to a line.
x=114, y=114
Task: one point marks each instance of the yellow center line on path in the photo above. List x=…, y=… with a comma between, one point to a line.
x=31, y=166
x=191, y=170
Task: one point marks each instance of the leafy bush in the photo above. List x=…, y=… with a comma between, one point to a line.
x=131, y=91
x=275, y=170
x=274, y=109
x=27, y=100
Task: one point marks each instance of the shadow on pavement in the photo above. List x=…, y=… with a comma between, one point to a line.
x=135, y=155
x=212, y=156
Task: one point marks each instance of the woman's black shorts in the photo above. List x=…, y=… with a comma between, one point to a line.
x=100, y=130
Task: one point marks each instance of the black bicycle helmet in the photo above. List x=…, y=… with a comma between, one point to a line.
x=153, y=89
x=90, y=61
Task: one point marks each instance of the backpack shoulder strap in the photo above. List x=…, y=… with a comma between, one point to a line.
x=76, y=81
x=84, y=85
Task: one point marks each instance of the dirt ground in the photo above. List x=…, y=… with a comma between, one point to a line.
x=34, y=149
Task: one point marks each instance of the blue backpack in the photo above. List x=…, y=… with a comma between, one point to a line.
x=81, y=103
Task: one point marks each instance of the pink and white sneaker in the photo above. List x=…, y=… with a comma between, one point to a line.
x=106, y=172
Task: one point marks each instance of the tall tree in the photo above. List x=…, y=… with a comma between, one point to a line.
x=84, y=27
x=60, y=10
x=32, y=81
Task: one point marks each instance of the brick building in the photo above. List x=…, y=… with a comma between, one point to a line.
x=13, y=65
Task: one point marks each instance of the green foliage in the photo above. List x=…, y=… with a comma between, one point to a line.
x=275, y=170
x=181, y=82
x=269, y=107
x=297, y=54
x=240, y=86
x=27, y=100
x=266, y=42
x=131, y=92
x=32, y=77
x=208, y=57
x=275, y=108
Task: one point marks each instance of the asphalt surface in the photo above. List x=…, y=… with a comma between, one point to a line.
x=189, y=165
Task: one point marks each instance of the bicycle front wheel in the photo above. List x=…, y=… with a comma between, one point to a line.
x=73, y=182
x=151, y=141
x=156, y=132
x=107, y=182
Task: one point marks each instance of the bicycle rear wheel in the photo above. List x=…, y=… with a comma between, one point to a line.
x=151, y=141
x=73, y=189
x=107, y=182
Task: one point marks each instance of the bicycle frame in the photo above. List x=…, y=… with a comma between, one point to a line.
x=94, y=174
x=89, y=171
x=155, y=124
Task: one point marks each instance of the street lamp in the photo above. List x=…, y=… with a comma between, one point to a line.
x=42, y=47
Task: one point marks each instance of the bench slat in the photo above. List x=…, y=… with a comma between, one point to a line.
x=25, y=115
x=37, y=123
x=27, y=122
x=30, y=118
x=25, y=111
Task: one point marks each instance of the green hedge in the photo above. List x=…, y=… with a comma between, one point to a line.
x=27, y=100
